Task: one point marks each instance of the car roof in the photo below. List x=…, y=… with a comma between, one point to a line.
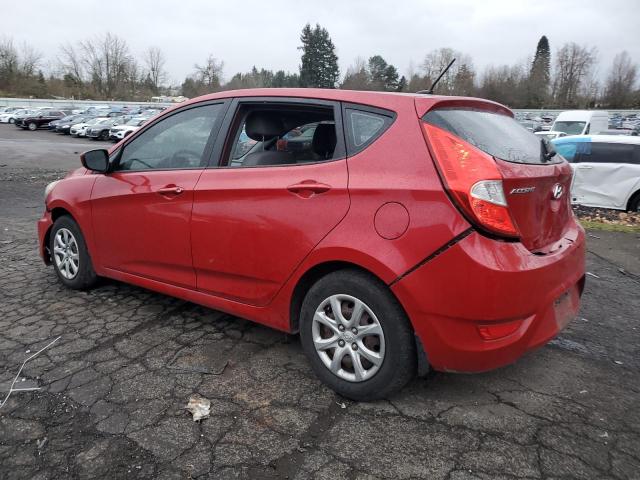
x=388, y=100
x=599, y=139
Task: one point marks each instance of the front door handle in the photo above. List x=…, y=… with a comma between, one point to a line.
x=307, y=188
x=170, y=190
x=585, y=167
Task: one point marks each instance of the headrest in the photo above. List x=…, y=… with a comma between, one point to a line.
x=324, y=139
x=263, y=125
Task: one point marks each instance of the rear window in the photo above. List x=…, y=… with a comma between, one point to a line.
x=498, y=135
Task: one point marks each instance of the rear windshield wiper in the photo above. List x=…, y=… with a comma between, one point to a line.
x=547, y=152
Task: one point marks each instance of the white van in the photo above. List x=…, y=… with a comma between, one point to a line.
x=606, y=170
x=581, y=122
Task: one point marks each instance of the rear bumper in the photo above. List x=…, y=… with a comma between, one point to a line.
x=481, y=282
x=44, y=224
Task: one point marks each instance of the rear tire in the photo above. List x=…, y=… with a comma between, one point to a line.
x=104, y=135
x=11, y=120
x=376, y=350
x=69, y=255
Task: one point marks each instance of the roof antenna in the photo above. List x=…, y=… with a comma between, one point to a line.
x=433, y=85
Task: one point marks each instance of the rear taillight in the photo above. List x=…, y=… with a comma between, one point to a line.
x=473, y=180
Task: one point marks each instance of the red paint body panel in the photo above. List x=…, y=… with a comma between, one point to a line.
x=238, y=240
x=250, y=232
x=481, y=281
x=141, y=231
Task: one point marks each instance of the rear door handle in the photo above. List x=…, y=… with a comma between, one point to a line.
x=308, y=188
x=170, y=190
x=585, y=167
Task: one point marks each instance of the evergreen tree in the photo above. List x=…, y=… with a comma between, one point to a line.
x=402, y=84
x=319, y=66
x=540, y=75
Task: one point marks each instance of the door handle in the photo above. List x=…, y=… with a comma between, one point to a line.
x=307, y=188
x=585, y=167
x=170, y=190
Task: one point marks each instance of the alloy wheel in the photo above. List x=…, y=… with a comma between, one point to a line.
x=66, y=254
x=348, y=338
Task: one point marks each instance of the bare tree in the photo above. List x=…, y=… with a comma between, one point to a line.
x=106, y=60
x=155, y=61
x=8, y=62
x=437, y=60
x=620, y=86
x=210, y=74
x=71, y=63
x=30, y=60
x=357, y=76
x=573, y=67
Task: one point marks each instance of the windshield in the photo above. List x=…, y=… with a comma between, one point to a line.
x=570, y=128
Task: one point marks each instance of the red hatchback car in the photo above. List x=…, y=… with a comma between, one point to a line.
x=412, y=231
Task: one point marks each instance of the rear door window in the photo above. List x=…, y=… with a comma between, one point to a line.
x=498, y=135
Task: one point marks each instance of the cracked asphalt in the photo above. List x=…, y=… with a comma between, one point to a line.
x=114, y=386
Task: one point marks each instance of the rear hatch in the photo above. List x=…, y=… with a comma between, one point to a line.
x=506, y=180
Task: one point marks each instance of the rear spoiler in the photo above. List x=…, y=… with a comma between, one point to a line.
x=426, y=103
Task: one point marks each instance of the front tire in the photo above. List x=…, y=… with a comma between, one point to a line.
x=69, y=255
x=33, y=127
x=11, y=120
x=356, y=336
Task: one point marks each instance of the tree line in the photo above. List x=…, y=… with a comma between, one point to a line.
x=105, y=68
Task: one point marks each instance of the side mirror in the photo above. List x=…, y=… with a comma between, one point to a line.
x=96, y=160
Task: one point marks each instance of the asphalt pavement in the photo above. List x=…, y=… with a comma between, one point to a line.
x=113, y=388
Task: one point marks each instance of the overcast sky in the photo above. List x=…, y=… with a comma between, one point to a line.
x=266, y=33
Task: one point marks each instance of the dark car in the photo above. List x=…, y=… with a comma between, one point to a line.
x=54, y=123
x=64, y=125
x=100, y=131
x=39, y=119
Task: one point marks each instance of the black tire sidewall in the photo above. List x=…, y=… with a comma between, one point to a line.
x=399, y=365
x=35, y=127
x=86, y=276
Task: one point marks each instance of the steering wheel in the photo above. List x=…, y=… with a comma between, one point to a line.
x=140, y=161
x=181, y=158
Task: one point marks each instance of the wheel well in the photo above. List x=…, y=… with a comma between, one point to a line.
x=318, y=271
x=56, y=213
x=310, y=277
x=633, y=199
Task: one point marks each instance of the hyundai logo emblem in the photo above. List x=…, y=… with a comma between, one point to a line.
x=557, y=191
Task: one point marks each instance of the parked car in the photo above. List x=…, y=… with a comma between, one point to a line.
x=622, y=131
x=531, y=125
x=10, y=117
x=581, y=122
x=100, y=130
x=79, y=129
x=118, y=132
x=39, y=119
x=10, y=109
x=64, y=126
x=20, y=114
x=606, y=170
x=550, y=135
x=415, y=230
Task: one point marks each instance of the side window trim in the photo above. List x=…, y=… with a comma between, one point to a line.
x=215, y=158
x=114, y=158
x=353, y=149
